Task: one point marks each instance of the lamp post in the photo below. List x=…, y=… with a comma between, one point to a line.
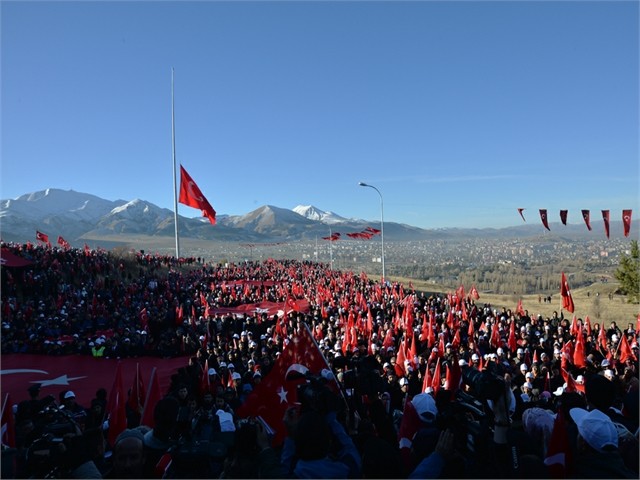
x=362, y=184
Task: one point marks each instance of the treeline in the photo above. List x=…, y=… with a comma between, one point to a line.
x=504, y=279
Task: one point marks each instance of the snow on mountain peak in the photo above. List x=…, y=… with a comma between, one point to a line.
x=314, y=213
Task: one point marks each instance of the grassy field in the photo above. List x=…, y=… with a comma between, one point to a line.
x=592, y=301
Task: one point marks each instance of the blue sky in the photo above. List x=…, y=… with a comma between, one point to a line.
x=458, y=112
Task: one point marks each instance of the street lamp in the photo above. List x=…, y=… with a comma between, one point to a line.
x=362, y=184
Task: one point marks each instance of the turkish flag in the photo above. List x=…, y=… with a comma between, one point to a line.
x=626, y=221
x=82, y=374
x=191, y=195
x=473, y=293
x=513, y=346
x=138, y=392
x=605, y=217
x=43, y=237
x=585, y=215
x=565, y=293
x=9, y=259
x=602, y=339
x=153, y=396
x=563, y=216
x=63, y=243
x=625, y=350
x=558, y=457
x=578, y=352
x=520, y=210
x=543, y=217
x=116, y=410
x=435, y=381
x=278, y=389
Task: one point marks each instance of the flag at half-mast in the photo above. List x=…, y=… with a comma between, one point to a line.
x=191, y=195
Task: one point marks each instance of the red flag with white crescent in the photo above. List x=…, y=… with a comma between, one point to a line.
x=543, y=217
x=565, y=293
x=585, y=216
x=626, y=221
x=605, y=218
x=520, y=210
x=563, y=216
x=191, y=196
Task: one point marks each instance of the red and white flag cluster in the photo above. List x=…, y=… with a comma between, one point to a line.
x=586, y=216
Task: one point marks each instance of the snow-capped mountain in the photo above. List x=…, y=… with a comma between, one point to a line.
x=55, y=202
x=314, y=213
x=78, y=216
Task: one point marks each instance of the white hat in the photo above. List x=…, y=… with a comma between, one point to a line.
x=236, y=376
x=608, y=373
x=529, y=375
x=559, y=391
x=226, y=421
x=403, y=381
x=527, y=385
x=425, y=406
x=69, y=394
x=500, y=351
x=580, y=379
x=462, y=362
x=212, y=371
x=523, y=366
x=596, y=428
x=520, y=350
x=475, y=357
x=605, y=363
x=231, y=365
x=614, y=338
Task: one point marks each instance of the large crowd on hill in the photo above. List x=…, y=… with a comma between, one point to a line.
x=90, y=302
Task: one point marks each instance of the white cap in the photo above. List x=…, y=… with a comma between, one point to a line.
x=212, y=371
x=475, y=357
x=500, y=351
x=236, y=376
x=403, y=381
x=523, y=366
x=69, y=394
x=596, y=428
x=462, y=362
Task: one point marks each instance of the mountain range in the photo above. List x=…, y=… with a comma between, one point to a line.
x=80, y=217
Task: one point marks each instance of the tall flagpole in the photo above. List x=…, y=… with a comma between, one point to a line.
x=175, y=180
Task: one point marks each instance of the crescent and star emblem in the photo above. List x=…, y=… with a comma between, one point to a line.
x=192, y=193
x=61, y=380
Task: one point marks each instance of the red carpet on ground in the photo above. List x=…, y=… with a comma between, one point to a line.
x=82, y=374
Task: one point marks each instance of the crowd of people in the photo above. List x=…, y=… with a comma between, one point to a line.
x=428, y=386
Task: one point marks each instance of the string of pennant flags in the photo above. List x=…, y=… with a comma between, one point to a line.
x=365, y=234
x=586, y=216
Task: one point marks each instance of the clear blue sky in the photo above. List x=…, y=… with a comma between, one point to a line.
x=459, y=112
